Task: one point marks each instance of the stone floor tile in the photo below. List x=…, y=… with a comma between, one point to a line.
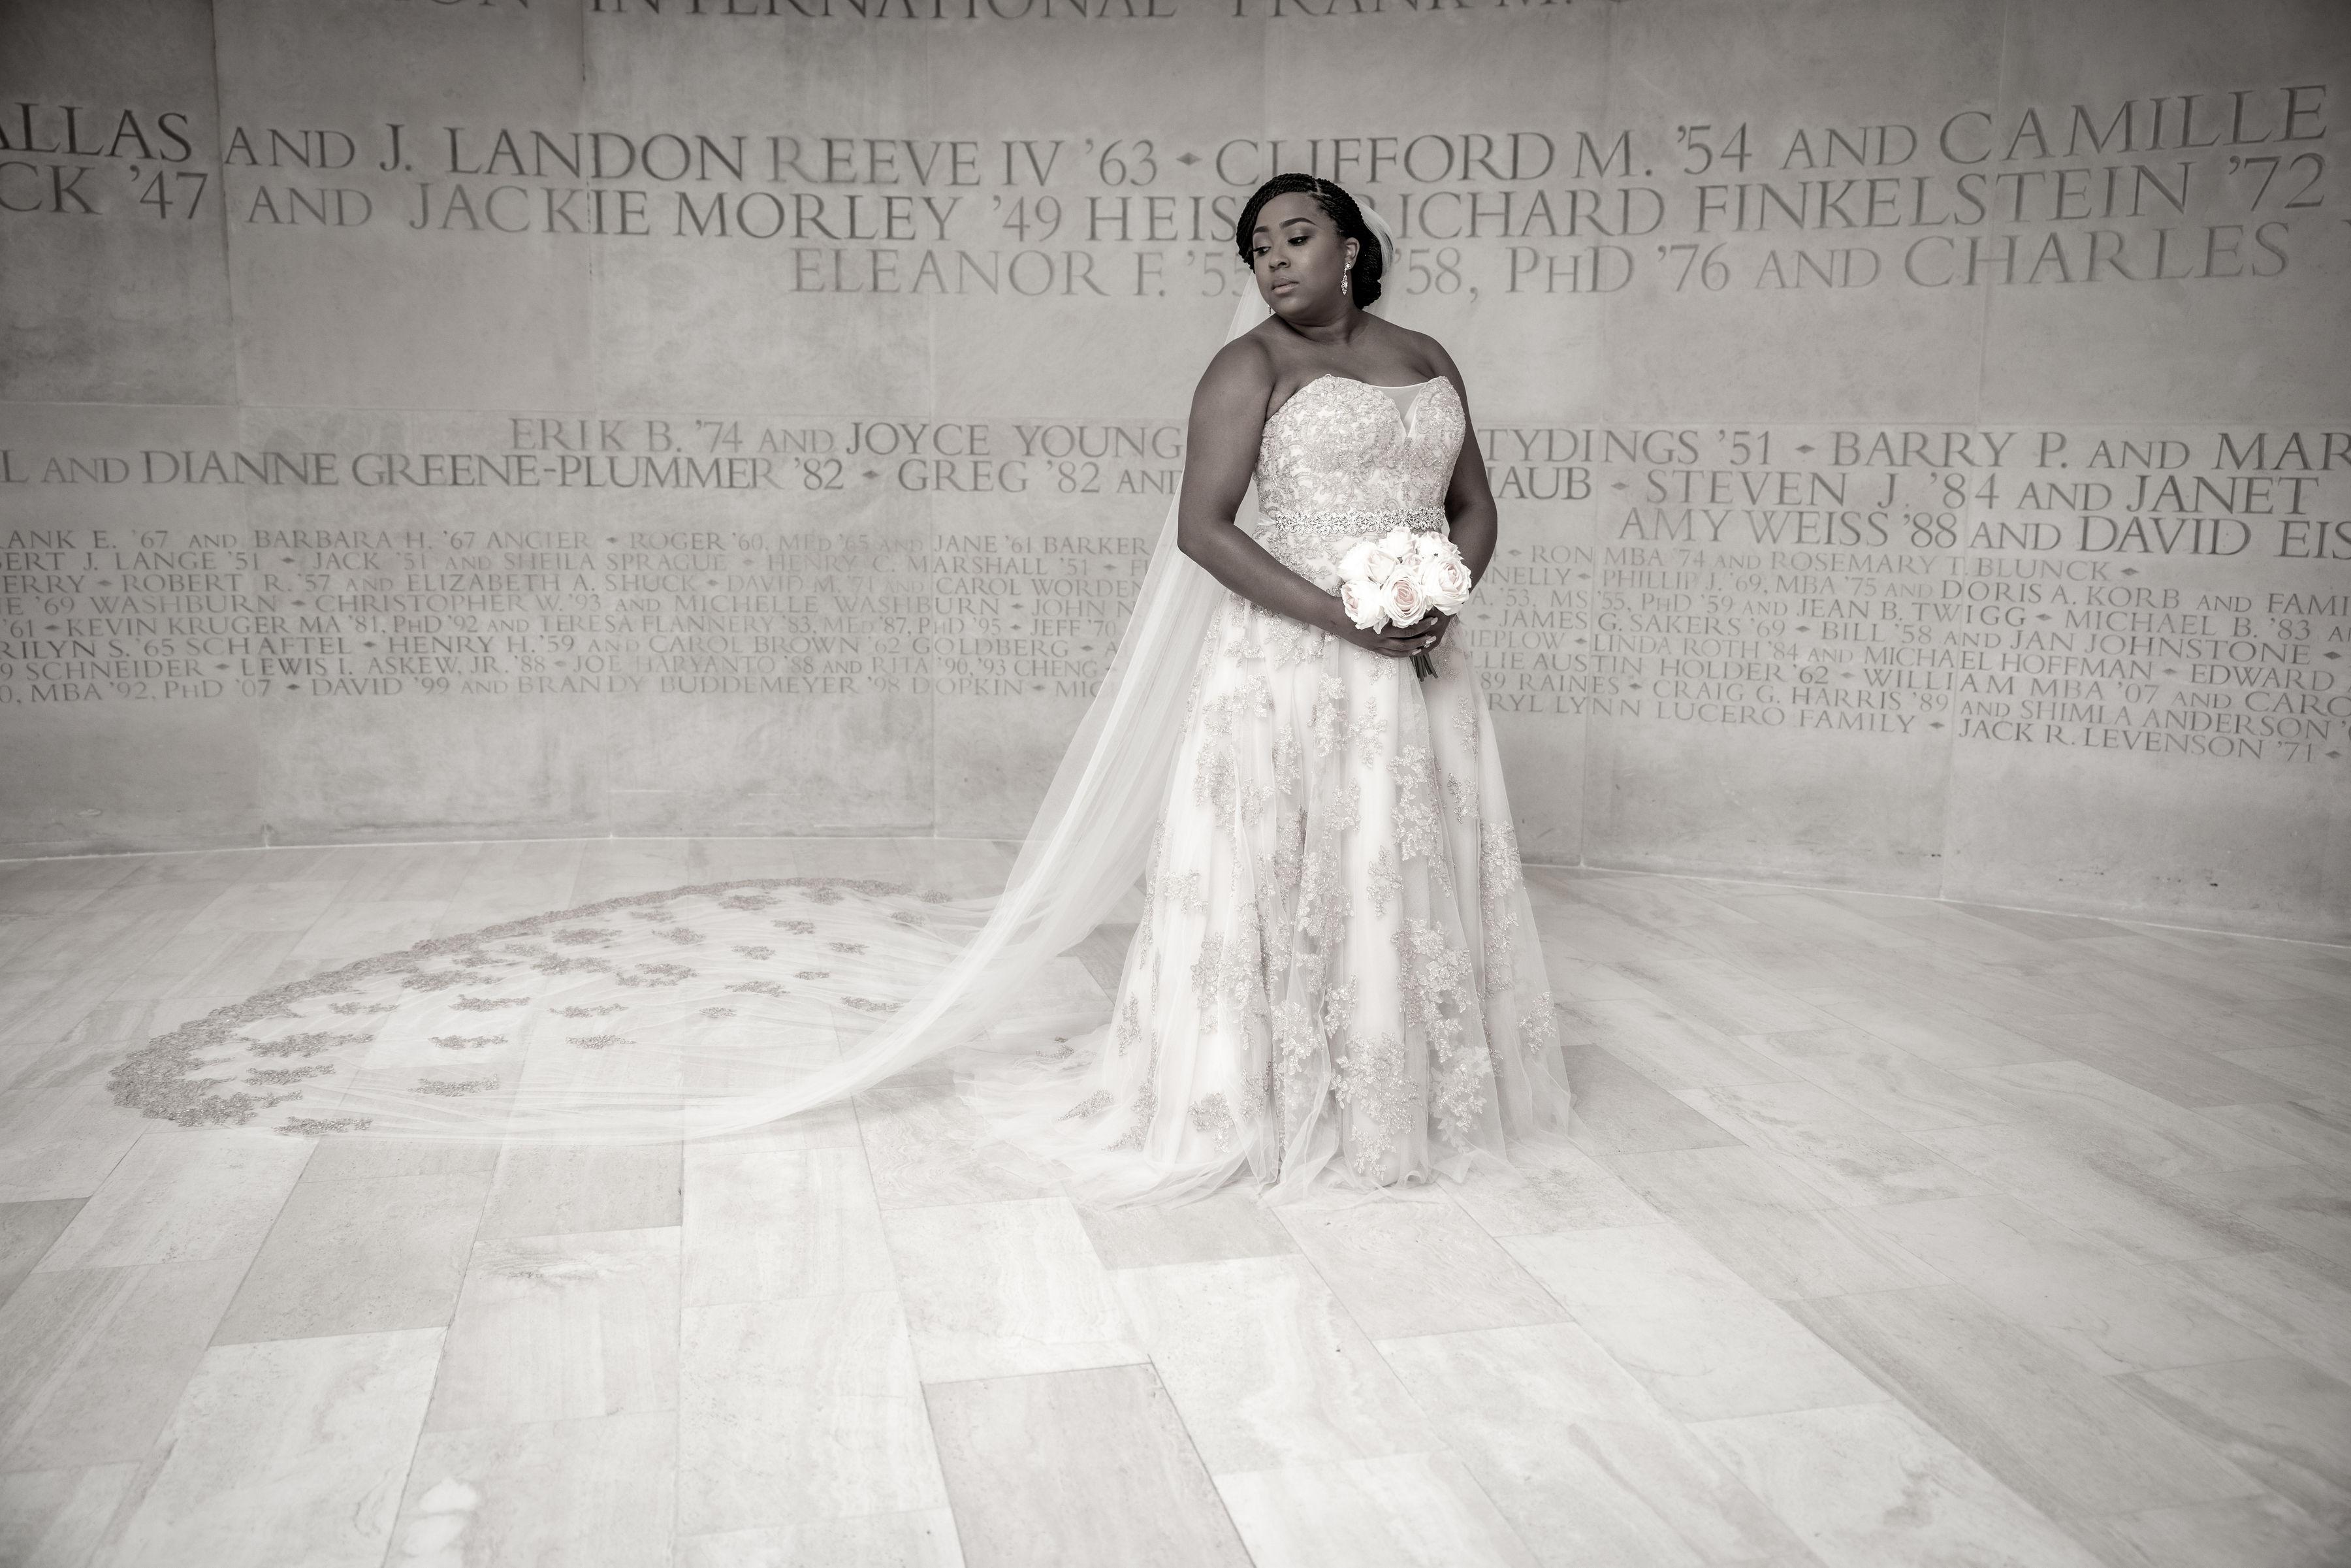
x=1550, y=1188
x=180, y=1197
x=360, y=1257
x=1233, y=1223
x=996, y=1289
x=594, y=1494
x=556, y=1190
x=926, y=1147
x=2280, y=1421
x=1619, y=1111
x=2126, y=1204
x=2241, y=1532
x=2108, y=1314
x=549, y=1328
x=1265, y=1367
x=1672, y=1051
x=1411, y=1510
x=1846, y=1154
x=290, y=1453
x=1781, y=1236
x=62, y=1143
x=1414, y=1264
x=1903, y=1090
x=765, y=1224
x=56, y=1518
x=2062, y=1436
x=92, y=1361
x=925, y=1539
x=803, y=1408
x=2281, y=1297
x=27, y=1230
x=1702, y=1341
x=1078, y=1468
x=1872, y=1486
x=1581, y=1461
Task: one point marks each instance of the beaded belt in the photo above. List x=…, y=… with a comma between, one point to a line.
x=1360, y=523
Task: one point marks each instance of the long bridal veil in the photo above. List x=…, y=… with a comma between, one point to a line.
x=730, y=1004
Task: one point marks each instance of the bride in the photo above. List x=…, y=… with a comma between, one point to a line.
x=1336, y=962
x=1335, y=971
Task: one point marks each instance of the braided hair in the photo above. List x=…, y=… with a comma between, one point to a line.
x=1364, y=278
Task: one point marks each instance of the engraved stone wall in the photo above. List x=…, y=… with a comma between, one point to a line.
x=1921, y=425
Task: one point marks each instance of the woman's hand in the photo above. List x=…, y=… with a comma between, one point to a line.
x=1397, y=641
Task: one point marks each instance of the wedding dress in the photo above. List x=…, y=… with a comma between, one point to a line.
x=1336, y=966
x=1336, y=969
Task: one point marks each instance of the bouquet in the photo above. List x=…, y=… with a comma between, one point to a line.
x=1400, y=577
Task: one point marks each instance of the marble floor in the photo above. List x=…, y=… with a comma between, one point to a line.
x=1895, y=1232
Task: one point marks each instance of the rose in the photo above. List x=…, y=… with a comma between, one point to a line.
x=1397, y=542
x=1368, y=562
x=1363, y=604
x=1402, y=599
x=1433, y=547
x=1446, y=582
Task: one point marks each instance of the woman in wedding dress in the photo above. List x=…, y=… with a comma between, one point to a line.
x=1336, y=964
x=1336, y=969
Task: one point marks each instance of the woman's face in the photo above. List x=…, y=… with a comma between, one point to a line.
x=1300, y=258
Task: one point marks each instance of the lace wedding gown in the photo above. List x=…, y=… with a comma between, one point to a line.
x=1336, y=966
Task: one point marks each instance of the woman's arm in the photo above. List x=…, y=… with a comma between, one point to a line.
x=1469, y=512
x=1470, y=517
x=1228, y=412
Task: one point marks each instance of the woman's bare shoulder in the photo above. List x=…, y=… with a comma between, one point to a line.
x=1243, y=368
x=1423, y=350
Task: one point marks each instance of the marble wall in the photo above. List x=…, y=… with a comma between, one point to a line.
x=1921, y=425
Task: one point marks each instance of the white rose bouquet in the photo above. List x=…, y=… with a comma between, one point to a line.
x=1400, y=577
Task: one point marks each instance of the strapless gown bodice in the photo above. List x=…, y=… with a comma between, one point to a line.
x=1344, y=459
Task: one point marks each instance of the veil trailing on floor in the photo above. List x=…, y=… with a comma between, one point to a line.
x=727, y=1005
